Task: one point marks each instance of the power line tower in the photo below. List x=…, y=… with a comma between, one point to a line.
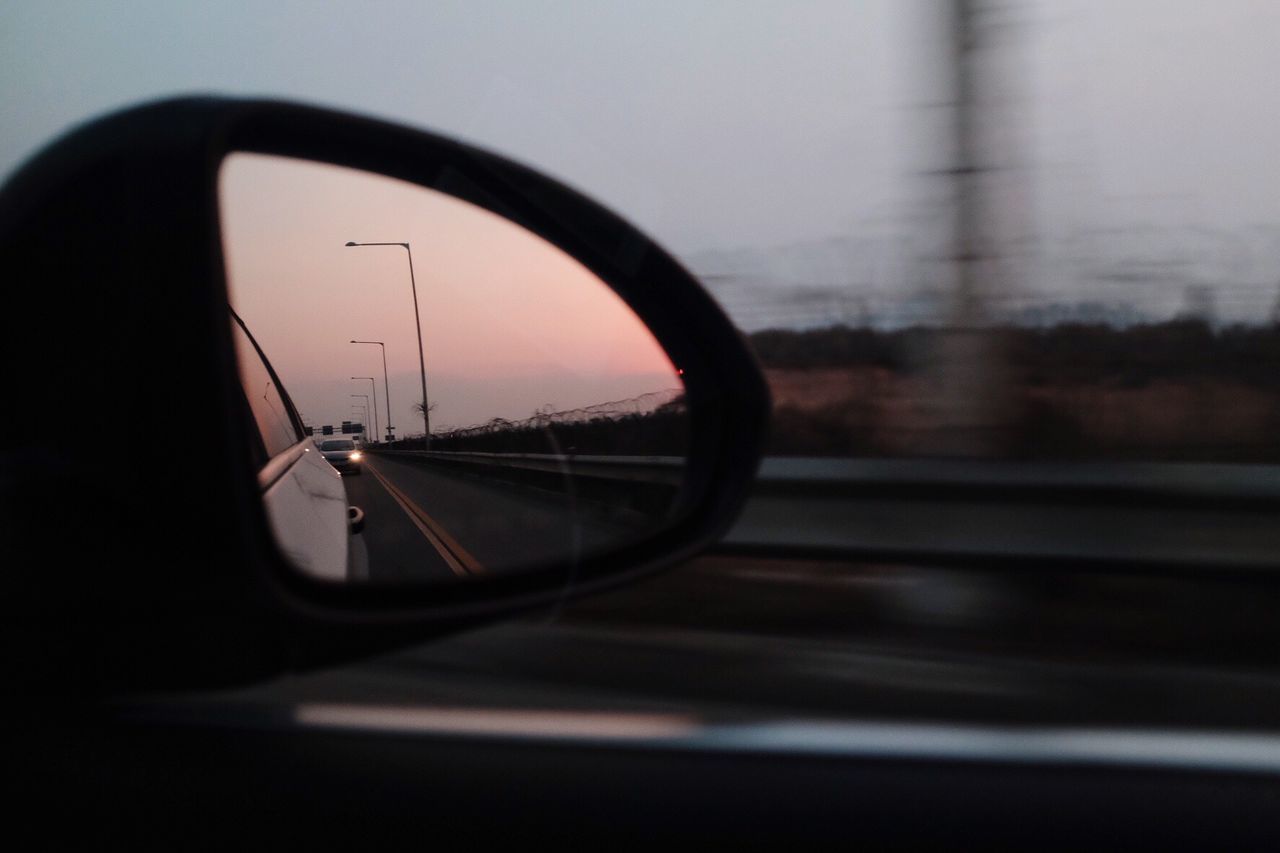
x=972, y=405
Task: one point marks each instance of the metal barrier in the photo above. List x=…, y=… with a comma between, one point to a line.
x=642, y=486
x=928, y=509
x=665, y=470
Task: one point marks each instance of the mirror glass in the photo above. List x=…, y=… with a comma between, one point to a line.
x=467, y=400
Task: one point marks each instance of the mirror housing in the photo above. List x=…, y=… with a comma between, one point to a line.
x=144, y=561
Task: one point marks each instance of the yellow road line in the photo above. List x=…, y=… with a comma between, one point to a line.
x=458, y=558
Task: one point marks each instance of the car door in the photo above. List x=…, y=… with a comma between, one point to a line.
x=305, y=501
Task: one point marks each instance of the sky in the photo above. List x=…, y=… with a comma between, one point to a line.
x=743, y=134
x=510, y=324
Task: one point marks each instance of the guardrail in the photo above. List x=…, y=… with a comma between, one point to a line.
x=1160, y=482
x=637, y=488
x=1227, y=516
x=667, y=470
x=1166, y=515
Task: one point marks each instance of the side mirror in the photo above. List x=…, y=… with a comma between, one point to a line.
x=120, y=240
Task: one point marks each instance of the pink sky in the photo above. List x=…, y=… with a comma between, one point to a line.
x=509, y=322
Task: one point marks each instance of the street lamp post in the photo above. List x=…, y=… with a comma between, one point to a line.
x=366, y=412
x=373, y=389
x=422, y=363
x=386, y=383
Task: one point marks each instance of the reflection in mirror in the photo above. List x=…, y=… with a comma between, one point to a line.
x=484, y=402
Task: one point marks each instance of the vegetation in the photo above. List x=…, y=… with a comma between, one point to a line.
x=1179, y=390
x=1071, y=353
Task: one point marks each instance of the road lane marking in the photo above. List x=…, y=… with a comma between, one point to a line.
x=459, y=560
x=427, y=533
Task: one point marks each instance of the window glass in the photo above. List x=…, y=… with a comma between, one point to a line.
x=270, y=412
x=1061, y=244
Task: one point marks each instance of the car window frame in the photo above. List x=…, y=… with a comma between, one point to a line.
x=264, y=458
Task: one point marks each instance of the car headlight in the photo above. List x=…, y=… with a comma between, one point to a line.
x=355, y=456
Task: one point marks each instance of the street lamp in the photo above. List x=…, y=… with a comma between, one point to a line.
x=386, y=383
x=366, y=413
x=373, y=389
x=422, y=364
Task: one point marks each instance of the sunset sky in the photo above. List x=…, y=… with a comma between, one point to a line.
x=509, y=323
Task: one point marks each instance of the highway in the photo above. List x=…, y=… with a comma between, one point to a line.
x=423, y=524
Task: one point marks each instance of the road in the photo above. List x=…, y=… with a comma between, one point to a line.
x=422, y=524
x=728, y=638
